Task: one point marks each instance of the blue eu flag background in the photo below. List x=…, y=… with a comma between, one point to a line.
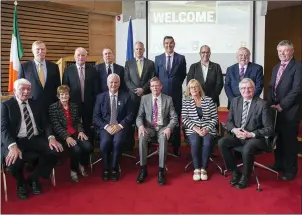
x=130, y=51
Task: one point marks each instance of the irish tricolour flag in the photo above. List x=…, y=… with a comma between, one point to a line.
x=16, y=52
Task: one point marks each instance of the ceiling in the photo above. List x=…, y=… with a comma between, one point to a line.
x=280, y=4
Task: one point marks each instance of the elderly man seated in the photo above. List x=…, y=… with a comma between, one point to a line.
x=249, y=122
x=113, y=115
x=24, y=130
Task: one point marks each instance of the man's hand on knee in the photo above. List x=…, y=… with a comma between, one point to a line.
x=13, y=154
x=167, y=133
x=142, y=131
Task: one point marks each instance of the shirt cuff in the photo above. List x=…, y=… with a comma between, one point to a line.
x=51, y=137
x=254, y=135
x=12, y=144
x=121, y=126
x=232, y=131
x=106, y=126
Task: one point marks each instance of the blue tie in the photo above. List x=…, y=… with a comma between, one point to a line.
x=169, y=64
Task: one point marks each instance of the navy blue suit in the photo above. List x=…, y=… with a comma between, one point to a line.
x=102, y=73
x=172, y=84
x=232, y=79
x=101, y=117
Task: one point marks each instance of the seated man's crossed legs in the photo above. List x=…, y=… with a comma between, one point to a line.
x=150, y=134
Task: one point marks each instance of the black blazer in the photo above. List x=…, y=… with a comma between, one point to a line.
x=259, y=119
x=11, y=121
x=59, y=121
x=91, y=88
x=48, y=95
x=102, y=110
x=288, y=92
x=133, y=80
x=102, y=73
x=213, y=84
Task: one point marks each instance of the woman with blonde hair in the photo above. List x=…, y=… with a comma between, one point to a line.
x=199, y=118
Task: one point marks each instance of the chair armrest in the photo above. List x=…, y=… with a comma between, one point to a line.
x=270, y=142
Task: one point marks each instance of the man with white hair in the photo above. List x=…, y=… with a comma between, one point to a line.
x=113, y=117
x=25, y=129
x=249, y=121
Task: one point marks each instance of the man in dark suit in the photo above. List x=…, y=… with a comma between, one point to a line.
x=249, y=121
x=170, y=68
x=208, y=74
x=113, y=115
x=285, y=95
x=243, y=69
x=156, y=118
x=107, y=68
x=43, y=75
x=24, y=130
x=138, y=73
x=83, y=82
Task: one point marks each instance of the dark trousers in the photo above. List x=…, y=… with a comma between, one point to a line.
x=79, y=154
x=112, y=144
x=250, y=147
x=129, y=145
x=200, y=149
x=175, y=137
x=286, y=151
x=86, y=115
x=47, y=158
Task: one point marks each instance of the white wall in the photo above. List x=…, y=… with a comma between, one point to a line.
x=139, y=33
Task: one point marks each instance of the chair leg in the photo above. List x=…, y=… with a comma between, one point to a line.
x=267, y=168
x=4, y=184
x=186, y=167
x=53, y=177
x=257, y=180
x=129, y=156
x=217, y=166
x=120, y=170
x=171, y=154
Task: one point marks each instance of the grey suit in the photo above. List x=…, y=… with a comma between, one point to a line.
x=144, y=117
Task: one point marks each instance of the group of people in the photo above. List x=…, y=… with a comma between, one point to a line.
x=45, y=117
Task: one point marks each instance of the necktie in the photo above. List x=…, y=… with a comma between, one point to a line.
x=244, y=113
x=41, y=74
x=169, y=65
x=82, y=82
x=109, y=69
x=155, y=113
x=113, y=111
x=28, y=122
x=279, y=74
x=241, y=73
x=139, y=68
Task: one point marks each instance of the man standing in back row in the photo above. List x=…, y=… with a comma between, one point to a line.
x=171, y=69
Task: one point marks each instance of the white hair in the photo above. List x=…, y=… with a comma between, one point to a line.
x=286, y=43
x=80, y=48
x=246, y=80
x=113, y=75
x=21, y=81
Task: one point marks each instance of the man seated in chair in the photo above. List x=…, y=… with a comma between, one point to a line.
x=24, y=130
x=113, y=115
x=249, y=121
x=156, y=118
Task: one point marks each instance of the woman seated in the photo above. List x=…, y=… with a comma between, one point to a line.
x=199, y=118
x=67, y=126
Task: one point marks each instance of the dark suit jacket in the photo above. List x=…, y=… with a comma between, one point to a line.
x=102, y=110
x=288, y=92
x=102, y=73
x=213, y=84
x=11, y=121
x=59, y=121
x=172, y=83
x=133, y=80
x=48, y=95
x=91, y=89
x=259, y=119
x=232, y=79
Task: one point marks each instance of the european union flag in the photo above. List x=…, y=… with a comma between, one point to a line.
x=130, y=51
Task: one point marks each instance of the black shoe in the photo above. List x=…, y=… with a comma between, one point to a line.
x=235, y=177
x=176, y=151
x=105, y=175
x=115, y=175
x=276, y=168
x=141, y=176
x=288, y=177
x=22, y=191
x=243, y=183
x=36, y=187
x=161, y=178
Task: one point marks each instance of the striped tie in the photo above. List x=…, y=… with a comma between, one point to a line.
x=279, y=74
x=113, y=111
x=28, y=122
x=244, y=113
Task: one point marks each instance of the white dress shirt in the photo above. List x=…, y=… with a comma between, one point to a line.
x=111, y=67
x=117, y=103
x=79, y=70
x=204, y=69
x=159, y=102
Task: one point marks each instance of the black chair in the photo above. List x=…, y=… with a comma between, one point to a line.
x=271, y=145
x=30, y=157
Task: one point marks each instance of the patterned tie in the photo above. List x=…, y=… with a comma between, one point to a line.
x=139, y=68
x=155, y=113
x=241, y=73
x=169, y=65
x=109, y=69
x=41, y=74
x=279, y=74
x=28, y=122
x=244, y=113
x=113, y=111
x=82, y=82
